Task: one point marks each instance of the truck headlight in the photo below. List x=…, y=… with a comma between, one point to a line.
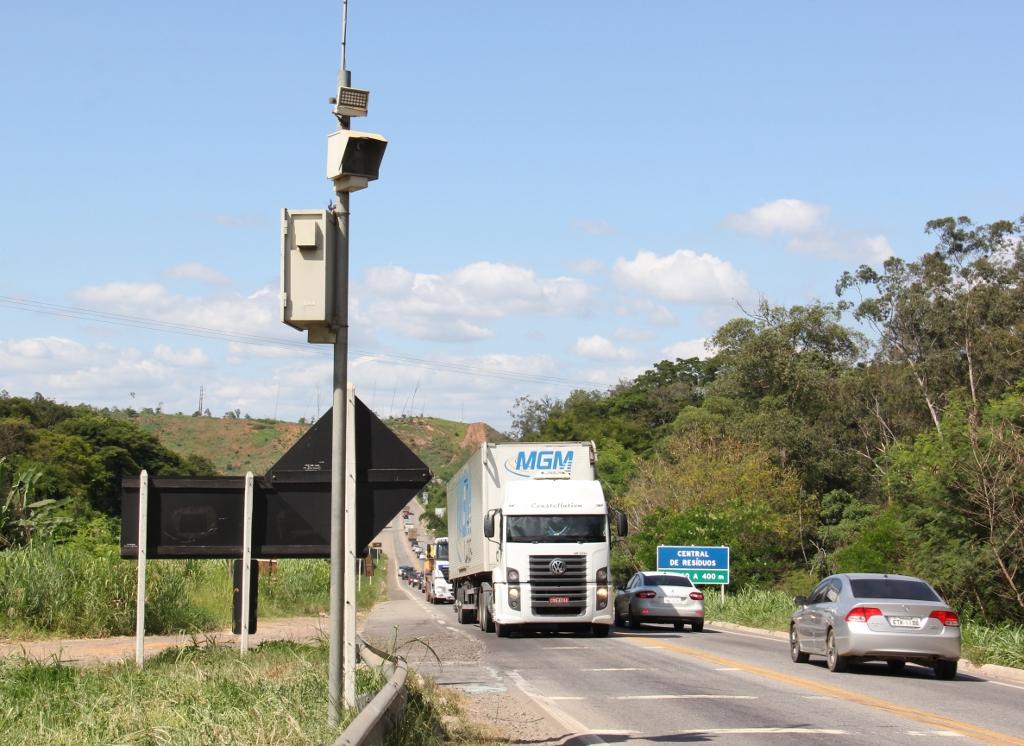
x=512, y=575
x=513, y=598
x=602, y=596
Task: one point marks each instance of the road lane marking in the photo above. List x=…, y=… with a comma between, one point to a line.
x=941, y=733
x=565, y=647
x=613, y=669
x=1003, y=683
x=727, y=669
x=564, y=699
x=585, y=735
x=922, y=716
x=760, y=731
x=686, y=696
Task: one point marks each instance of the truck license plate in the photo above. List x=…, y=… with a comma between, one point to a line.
x=558, y=599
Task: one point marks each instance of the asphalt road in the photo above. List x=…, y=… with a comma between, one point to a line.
x=659, y=686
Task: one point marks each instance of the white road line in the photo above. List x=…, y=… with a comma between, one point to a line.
x=566, y=647
x=766, y=731
x=687, y=696
x=783, y=640
x=728, y=669
x=584, y=734
x=614, y=669
x=1003, y=683
x=942, y=733
x=561, y=699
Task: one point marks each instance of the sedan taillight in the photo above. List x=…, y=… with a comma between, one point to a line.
x=948, y=618
x=697, y=596
x=862, y=613
x=646, y=594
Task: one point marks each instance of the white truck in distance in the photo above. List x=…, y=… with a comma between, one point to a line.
x=435, y=572
x=529, y=539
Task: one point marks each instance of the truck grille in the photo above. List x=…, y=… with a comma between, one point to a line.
x=571, y=585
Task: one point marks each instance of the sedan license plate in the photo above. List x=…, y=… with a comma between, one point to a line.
x=561, y=600
x=677, y=601
x=905, y=621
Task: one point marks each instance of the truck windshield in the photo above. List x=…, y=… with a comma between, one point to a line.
x=441, y=551
x=529, y=528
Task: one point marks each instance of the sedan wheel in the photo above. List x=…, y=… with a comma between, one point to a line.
x=698, y=626
x=945, y=670
x=836, y=662
x=631, y=621
x=619, y=621
x=794, y=647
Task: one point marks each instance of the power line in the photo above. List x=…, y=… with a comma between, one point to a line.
x=387, y=358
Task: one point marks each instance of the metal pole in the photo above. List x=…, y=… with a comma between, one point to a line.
x=349, y=659
x=246, y=561
x=140, y=593
x=338, y=431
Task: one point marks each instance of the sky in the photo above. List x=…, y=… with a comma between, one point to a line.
x=572, y=191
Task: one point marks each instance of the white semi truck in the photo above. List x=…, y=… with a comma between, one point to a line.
x=435, y=572
x=529, y=539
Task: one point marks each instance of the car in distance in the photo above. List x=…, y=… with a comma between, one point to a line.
x=855, y=617
x=659, y=598
x=404, y=570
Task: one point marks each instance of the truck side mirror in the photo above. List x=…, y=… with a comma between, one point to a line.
x=620, y=523
x=489, y=524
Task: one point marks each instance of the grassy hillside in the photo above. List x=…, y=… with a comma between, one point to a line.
x=235, y=446
x=239, y=445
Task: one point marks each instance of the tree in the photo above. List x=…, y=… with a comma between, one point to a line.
x=952, y=318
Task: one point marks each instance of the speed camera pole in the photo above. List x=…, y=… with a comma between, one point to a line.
x=314, y=299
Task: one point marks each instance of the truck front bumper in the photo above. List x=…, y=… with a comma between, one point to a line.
x=504, y=613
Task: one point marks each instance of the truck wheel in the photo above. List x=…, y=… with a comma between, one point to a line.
x=599, y=630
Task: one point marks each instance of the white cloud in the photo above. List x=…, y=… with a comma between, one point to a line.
x=683, y=277
x=851, y=247
x=586, y=266
x=687, y=348
x=125, y=294
x=198, y=272
x=780, y=216
x=601, y=348
x=632, y=334
x=809, y=234
x=452, y=307
x=191, y=358
x=594, y=227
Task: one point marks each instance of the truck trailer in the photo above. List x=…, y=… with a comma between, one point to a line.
x=529, y=539
x=436, y=571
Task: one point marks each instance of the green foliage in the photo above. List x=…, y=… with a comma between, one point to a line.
x=22, y=517
x=80, y=455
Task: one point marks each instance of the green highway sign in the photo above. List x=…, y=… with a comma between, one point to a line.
x=707, y=565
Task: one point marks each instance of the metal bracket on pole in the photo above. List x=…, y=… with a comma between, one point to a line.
x=246, y=561
x=140, y=593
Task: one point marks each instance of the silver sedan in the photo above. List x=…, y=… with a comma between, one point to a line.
x=660, y=597
x=869, y=616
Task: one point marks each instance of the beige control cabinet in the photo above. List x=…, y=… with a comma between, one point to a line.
x=309, y=251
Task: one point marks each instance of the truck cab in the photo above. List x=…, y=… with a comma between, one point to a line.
x=436, y=572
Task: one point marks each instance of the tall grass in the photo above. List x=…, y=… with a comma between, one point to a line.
x=88, y=591
x=277, y=694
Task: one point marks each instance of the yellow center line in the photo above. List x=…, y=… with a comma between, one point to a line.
x=922, y=716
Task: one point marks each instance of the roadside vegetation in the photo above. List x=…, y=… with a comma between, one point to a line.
x=881, y=431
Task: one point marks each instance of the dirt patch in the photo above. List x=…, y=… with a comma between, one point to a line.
x=476, y=435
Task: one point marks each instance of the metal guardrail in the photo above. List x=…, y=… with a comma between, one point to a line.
x=385, y=709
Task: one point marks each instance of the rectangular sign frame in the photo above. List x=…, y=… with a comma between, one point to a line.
x=704, y=565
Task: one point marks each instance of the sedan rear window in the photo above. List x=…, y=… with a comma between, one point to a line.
x=668, y=580
x=911, y=590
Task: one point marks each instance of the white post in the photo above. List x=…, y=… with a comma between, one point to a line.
x=246, y=560
x=359, y=569
x=722, y=586
x=140, y=593
x=349, y=653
